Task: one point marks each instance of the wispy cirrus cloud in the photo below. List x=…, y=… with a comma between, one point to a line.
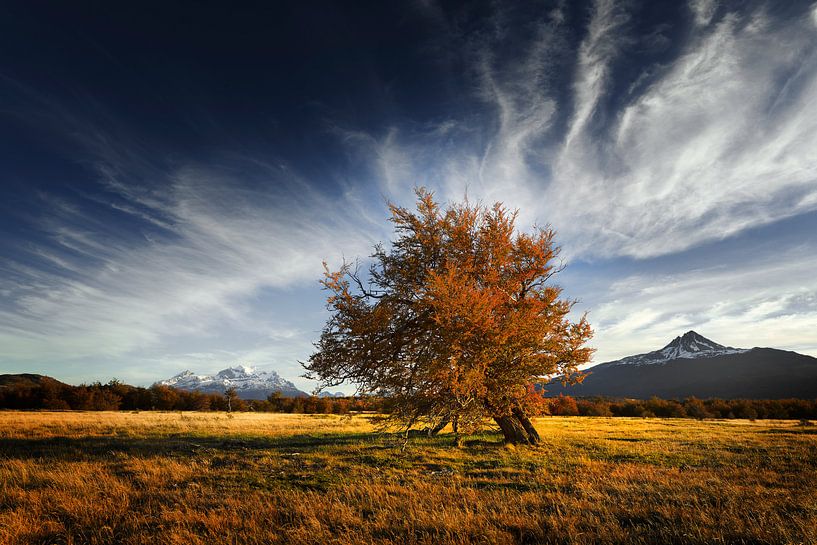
x=768, y=301
x=712, y=142
x=703, y=10
x=88, y=291
x=705, y=145
x=640, y=142
x=717, y=144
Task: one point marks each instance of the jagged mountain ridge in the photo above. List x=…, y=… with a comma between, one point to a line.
x=692, y=365
x=248, y=382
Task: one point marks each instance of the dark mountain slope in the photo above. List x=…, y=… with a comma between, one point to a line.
x=695, y=366
x=28, y=380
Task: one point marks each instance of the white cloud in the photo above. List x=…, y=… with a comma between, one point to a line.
x=719, y=140
x=703, y=10
x=602, y=45
x=229, y=240
x=767, y=300
x=720, y=143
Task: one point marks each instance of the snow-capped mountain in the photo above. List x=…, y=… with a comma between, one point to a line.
x=330, y=394
x=247, y=381
x=690, y=345
x=692, y=365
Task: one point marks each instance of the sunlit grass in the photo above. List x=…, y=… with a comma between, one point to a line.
x=262, y=478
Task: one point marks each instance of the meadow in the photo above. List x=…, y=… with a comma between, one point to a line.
x=249, y=478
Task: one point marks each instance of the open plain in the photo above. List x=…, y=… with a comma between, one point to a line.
x=146, y=478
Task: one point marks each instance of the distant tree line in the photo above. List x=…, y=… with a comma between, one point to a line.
x=49, y=394
x=688, y=408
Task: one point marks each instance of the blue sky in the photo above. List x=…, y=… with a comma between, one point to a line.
x=173, y=176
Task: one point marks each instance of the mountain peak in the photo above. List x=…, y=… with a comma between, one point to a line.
x=248, y=382
x=690, y=345
x=236, y=371
x=676, y=372
x=693, y=342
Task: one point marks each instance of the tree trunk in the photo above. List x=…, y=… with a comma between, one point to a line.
x=533, y=435
x=439, y=427
x=455, y=425
x=512, y=430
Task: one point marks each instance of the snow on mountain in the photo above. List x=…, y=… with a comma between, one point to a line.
x=248, y=382
x=330, y=394
x=690, y=345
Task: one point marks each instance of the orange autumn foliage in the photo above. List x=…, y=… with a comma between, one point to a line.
x=455, y=321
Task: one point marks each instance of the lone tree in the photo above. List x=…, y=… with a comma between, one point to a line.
x=455, y=321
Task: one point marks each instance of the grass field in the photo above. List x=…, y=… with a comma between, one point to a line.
x=157, y=478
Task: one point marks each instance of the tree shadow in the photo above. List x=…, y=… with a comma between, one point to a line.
x=178, y=446
x=799, y=430
x=95, y=448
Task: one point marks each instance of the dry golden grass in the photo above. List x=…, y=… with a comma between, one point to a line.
x=158, y=478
